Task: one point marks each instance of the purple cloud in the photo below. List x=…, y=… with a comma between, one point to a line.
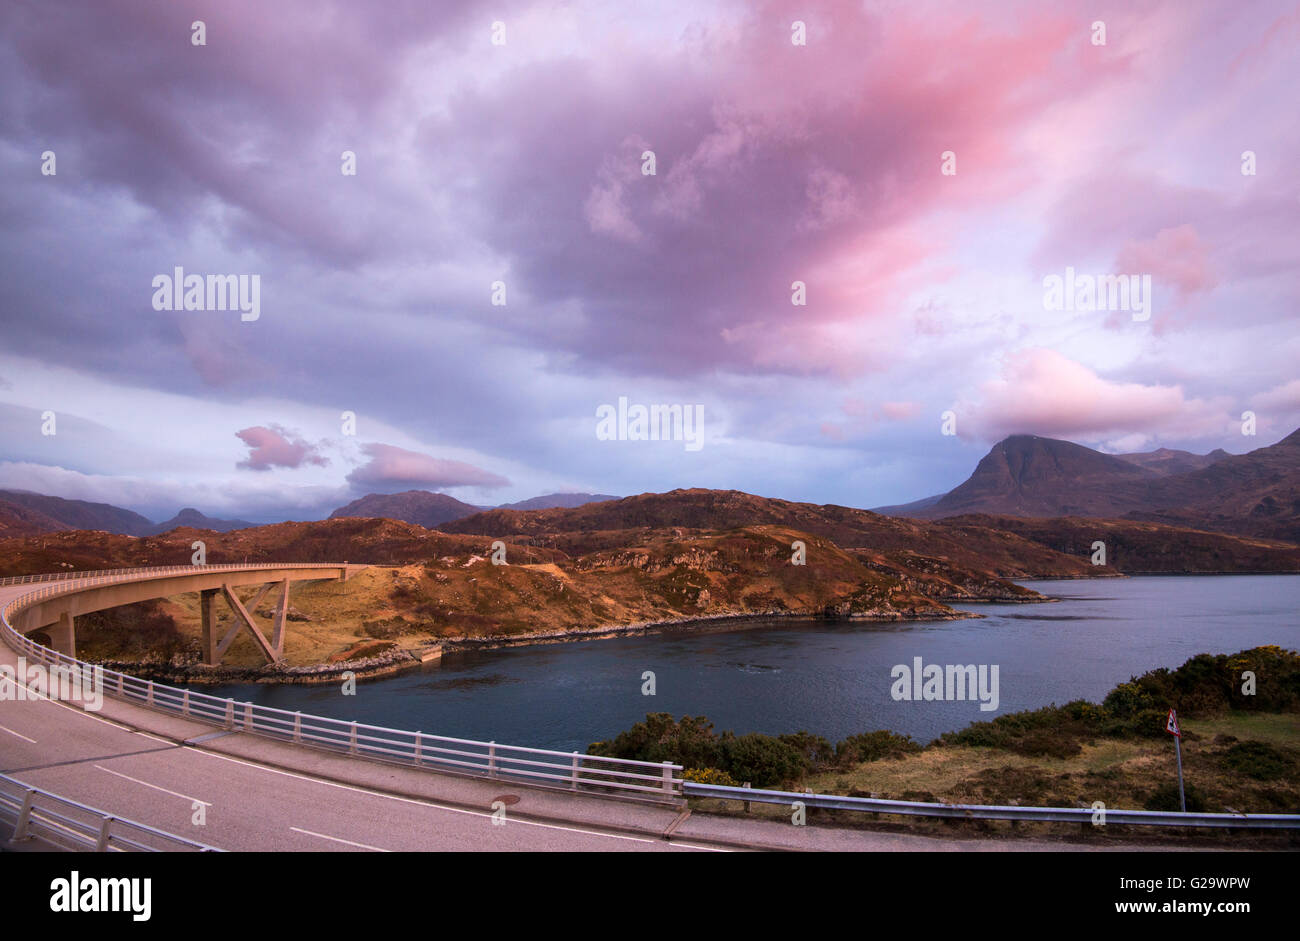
x=277, y=447
x=393, y=468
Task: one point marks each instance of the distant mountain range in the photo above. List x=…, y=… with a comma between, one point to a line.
x=995, y=545
x=1255, y=494
x=430, y=510
x=1023, y=477
x=24, y=513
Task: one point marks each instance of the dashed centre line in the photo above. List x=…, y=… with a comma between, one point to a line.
x=192, y=800
x=326, y=836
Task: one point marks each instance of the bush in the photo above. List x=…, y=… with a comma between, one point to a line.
x=1258, y=760
x=1166, y=798
x=817, y=753
x=872, y=746
x=710, y=776
x=1128, y=699
x=689, y=743
x=1044, y=742
x=760, y=759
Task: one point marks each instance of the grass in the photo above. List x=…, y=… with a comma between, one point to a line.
x=1123, y=773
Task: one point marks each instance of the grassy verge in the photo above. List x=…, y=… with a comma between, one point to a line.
x=1241, y=752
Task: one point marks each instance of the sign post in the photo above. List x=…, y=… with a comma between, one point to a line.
x=1171, y=726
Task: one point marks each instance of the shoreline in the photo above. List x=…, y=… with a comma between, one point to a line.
x=399, y=659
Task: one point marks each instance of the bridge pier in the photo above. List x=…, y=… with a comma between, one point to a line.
x=209, y=619
x=281, y=615
x=63, y=635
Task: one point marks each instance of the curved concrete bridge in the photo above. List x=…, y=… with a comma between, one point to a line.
x=56, y=615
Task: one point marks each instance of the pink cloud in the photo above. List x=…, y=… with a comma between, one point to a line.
x=862, y=417
x=1043, y=392
x=276, y=447
x=1176, y=257
x=391, y=467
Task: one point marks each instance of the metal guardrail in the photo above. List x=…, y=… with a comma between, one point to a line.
x=68, y=825
x=1150, y=818
x=574, y=770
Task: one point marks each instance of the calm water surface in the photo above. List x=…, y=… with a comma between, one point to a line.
x=830, y=678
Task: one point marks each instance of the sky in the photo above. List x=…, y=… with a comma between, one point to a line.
x=842, y=256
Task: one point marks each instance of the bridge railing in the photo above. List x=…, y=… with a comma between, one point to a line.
x=38, y=814
x=103, y=576
x=573, y=770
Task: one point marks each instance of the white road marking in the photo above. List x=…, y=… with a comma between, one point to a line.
x=324, y=836
x=192, y=800
x=19, y=734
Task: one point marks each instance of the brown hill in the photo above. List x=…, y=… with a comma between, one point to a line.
x=19, y=520
x=1168, y=461
x=1255, y=494
x=604, y=525
x=443, y=587
x=1135, y=547
x=421, y=507
x=79, y=514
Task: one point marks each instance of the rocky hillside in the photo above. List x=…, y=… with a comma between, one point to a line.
x=1255, y=494
x=451, y=593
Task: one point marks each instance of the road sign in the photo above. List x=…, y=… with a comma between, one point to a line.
x=1171, y=726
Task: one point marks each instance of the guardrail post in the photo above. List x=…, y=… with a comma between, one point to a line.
x=352, y=740
x=101, y=845
x=297, y=726
x=573, y=786
x=746, y=784
x=418, y=745
x=230, y=713
x=492, y=758
x=668, y=777
x=121, y=679
x=149, y=696
x=185, y=703
x=24, y=815
x=248, y=717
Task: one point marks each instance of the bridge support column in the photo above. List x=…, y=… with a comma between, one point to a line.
x=63, y=635
x=281, y=613
x=209, y=619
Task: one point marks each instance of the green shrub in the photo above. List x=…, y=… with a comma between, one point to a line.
x=1044, y=742
x=872, y=746
x=689, y=743
x=817, y=753
x=1258, y=760
x=1127, y=699
x=1165, y=798
x=760, y=759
